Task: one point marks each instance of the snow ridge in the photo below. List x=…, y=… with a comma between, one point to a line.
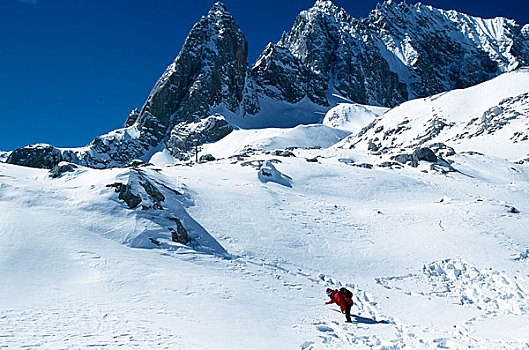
x=473, y=119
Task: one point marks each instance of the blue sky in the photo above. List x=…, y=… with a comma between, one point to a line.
x=72, y=69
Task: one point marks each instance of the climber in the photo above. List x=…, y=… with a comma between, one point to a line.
x=341, y=297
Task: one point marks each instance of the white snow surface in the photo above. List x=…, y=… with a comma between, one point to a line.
x=460, y=114
x=274, y=113
x=162, y=157
x=315, y=135
x=433, y=260
x=352, y=117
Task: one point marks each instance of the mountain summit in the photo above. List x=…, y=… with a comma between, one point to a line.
x=401, y=52
x=210, y=70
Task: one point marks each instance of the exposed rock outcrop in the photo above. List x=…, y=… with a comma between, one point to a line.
x=179, y=234
x=61, y=168
x=36, y=156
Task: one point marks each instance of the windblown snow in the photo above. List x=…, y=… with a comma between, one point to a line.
x=236, y=253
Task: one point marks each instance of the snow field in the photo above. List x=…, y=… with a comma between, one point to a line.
x=424, y=272
x=434, y=260
x=384, y=222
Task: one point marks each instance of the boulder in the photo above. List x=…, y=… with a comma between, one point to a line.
x=136, y=163
x=282, y=153
x=513, y=210
x=425, y=153
x=389, y=165
x=442, y=150
x=363, y=165
x=206, y=158
x=60, y=169
x=42, y=156
x=373, y=147
x=406, y=158
x=179, y=235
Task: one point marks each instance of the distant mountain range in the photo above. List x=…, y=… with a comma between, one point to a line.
x=397, y=53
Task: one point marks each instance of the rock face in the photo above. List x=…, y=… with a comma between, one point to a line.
x=184, y=136
x=211, y=69
x=36, y=156
x=397, y=53
x=280, y=75
x=442, y=50
x=403, y=51
x=329, y=41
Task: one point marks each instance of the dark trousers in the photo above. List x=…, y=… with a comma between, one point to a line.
x=348, y=312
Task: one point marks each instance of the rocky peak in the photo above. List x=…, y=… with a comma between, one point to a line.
x=219, y=9
x=210, y=70
x=393, y=6
x=315, y=31
x=398, y=52
x=324, y=6
x=442, y=50
x=331, y=43
x=282, y=76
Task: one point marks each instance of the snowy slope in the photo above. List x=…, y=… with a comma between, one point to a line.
x=491, y=118
x=315, y=135
x=352, y=117
x=433, y=260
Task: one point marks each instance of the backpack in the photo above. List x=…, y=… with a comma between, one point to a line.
x=346, y=292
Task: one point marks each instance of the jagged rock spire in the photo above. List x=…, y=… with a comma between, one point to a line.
x=211, y=69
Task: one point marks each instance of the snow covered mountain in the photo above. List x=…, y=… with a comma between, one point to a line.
x=399, y=52
x=491, y=118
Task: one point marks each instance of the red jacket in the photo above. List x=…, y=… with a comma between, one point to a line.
x=340, y=299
